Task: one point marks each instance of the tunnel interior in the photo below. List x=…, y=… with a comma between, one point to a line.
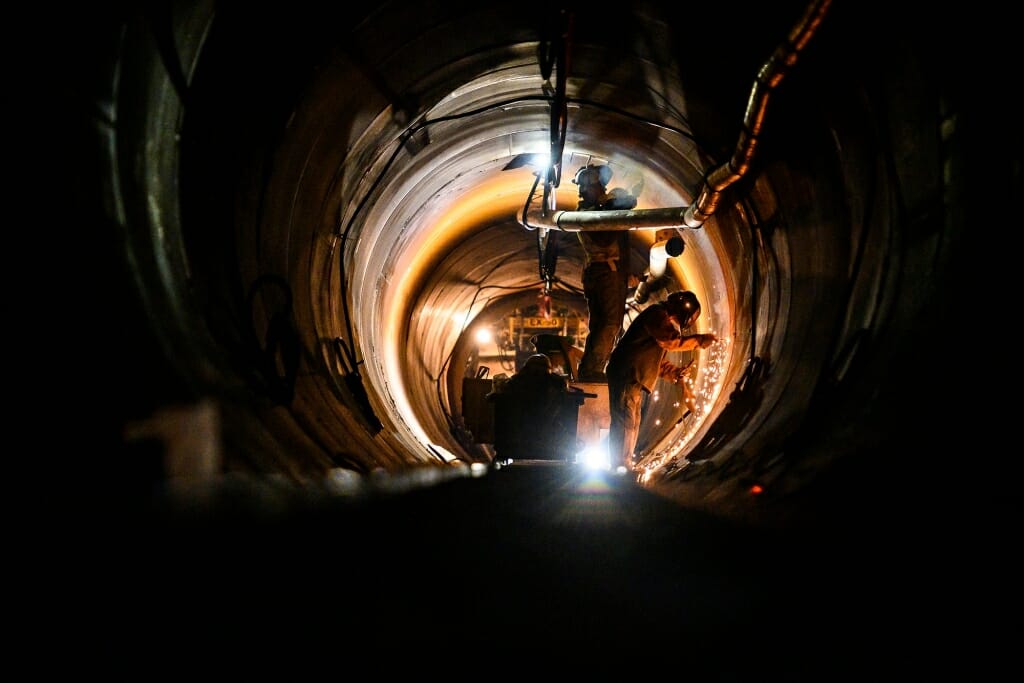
x=284, y=225
x=308, y=211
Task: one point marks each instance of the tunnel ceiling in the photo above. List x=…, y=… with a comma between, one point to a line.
x=315, y=204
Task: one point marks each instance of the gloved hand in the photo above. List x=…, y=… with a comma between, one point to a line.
x=673, y=373
x=706, y=340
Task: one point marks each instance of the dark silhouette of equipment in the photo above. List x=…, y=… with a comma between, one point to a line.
x=535, y=414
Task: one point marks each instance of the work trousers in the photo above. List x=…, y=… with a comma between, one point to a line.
x=625, y=404
x=605, y=290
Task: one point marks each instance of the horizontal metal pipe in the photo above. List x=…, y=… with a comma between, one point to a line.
x=585, y=221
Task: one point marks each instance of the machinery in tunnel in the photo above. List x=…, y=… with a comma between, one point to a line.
x=560, y=333
x=304, y=224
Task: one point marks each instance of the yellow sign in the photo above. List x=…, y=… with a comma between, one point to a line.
x=546, y=323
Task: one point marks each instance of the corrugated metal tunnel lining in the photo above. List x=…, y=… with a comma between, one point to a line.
x=293, y=249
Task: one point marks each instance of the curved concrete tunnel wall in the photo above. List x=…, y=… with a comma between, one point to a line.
x=266, y=190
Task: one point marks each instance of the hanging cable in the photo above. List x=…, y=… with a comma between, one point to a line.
x=553, y=55
x=559, y=108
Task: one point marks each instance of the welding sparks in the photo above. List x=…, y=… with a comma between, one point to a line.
x=701, y=389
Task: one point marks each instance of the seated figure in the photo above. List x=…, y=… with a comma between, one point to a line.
x=535, y=414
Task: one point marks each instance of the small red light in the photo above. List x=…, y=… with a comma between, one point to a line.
x=756, y=489
x=544, y=305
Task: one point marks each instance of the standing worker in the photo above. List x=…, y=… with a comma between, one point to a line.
x=638, y=360
x=605, y=271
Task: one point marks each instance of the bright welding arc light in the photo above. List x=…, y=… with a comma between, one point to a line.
x=483, y=335
x=595, y=457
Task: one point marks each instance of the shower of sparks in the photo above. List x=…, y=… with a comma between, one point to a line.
x=704, y=393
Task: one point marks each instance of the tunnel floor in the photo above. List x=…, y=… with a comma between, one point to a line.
x=536, y=553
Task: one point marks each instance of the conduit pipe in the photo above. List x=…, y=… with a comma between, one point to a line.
x=718, y=179
x=768, y=78
x=655, y=279
x=587, y=221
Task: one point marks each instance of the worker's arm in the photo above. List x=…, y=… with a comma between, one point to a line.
x=665, y=332
x=688, y=342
